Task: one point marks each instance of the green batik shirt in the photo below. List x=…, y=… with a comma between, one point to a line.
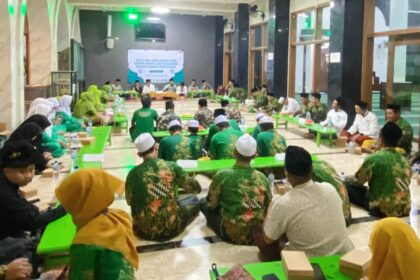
x=261, y=100
x=233, y=114
x=145, y=121
x=204, y=116
x=318, y=112
x=406, y=140
x=222, y=144
x=174, y=147
x=273, y=105
x=213, y=130
x=389, y=177
x=256, y=131
x=243, y=194
x=270, y=143
x=89, y=262
x=151, y=190
x=164, y=119
x=324, y=172
x=196, y=146
x=304, y=108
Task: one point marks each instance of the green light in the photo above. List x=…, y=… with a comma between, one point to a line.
x=133, y=17
x=11, y=8
x=23, y=8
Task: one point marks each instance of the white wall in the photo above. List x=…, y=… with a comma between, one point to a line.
x=296, y=5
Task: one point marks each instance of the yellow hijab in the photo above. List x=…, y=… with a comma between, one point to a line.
x=86, y=195
x=395, y=251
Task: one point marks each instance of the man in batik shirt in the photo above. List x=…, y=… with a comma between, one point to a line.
x=317, y=109
x=304, y=104
x=176, y=146
x=238, y=197
x=269, y=141
x=169, y=115
x=159, y=212
x=393, y=114
x=388, y=174
x=204, y=115
x=231, y=112
x=222, y=144
x=273, y=105
x=196, y=143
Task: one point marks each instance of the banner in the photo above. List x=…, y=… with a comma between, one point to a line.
x=157, y=65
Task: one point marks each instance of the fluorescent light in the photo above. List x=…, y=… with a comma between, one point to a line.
x=133, y=16
x=153, y=18
x=160, y=10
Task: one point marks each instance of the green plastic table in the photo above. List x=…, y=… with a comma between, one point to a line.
x=319, y=129
x=165, y=133
x=121, y=120
x=329, y=266
x=58, y=235
x=215, y=165
x=186, y=117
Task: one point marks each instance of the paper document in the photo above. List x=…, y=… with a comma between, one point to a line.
x=93, y=158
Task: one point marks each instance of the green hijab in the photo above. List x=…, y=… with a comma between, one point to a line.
x=85, y=106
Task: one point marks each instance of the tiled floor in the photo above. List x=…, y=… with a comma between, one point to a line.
x=190, y=255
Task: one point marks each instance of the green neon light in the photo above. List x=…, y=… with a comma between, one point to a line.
x=133, y=16
x=10, y=8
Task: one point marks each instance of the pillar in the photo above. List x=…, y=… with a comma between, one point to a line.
x=218, y=63
x=241, y=45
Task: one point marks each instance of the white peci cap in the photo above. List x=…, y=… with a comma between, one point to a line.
x=174, y=123
x=221, y=119
x=246, y=145
x=259, y=116
x=144, y=142
x=281, y=100
x=266, y=120
x=193, y=124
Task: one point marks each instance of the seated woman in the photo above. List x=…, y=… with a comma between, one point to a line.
x=104, y=246
x=17, y=168
x=395, y=251
x=41, y=106
x=85, y=109
x=98, y=97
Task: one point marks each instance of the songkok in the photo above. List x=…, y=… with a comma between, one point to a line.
x=298, y=161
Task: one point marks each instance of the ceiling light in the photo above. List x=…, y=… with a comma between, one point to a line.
x=132, y=16
x=153, y=18
x=160, y=10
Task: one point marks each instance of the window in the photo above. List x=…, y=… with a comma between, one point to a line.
x=228, y=58
x=257, y=67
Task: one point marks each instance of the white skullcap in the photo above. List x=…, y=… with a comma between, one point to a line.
x=246, y=145
x=174, y=123
x=193, y=124
x=281, y=100
x=144, y=142
x=266, y=120
x=221, y=119
x=259, y=116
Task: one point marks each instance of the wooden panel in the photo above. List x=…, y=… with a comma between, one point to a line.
x=390, y=73
x=316, y=68
x=292, y=57
x=409, y=31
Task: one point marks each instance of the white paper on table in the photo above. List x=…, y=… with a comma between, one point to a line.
x=187, y=163
x=93, y=158
x=280, y=157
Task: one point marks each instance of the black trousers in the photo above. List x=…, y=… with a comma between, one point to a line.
x=214, y=219
x=358, y=195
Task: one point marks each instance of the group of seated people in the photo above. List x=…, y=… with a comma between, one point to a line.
x=239, y=206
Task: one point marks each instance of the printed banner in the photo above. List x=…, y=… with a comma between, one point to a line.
x=157, y=65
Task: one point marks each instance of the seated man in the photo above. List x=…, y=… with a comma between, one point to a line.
x=336, y=117
x=273, y=105
x=143, y=120
x=196, y=143
x=290, y=106
x=204, y=115
x=151, y=189
x=269, y=141
x=169, y=115
x=257, y=128
x=213, y=128
x=17, y=169
x=223, y=142
x=304, y=105
x=193, y=87
x=117, y=86
x=182, y=90
x=231, y=112
x=365, y=125
x=393, y=114
x=388, y=175
x=148, y=88
x=176, y=146
x=315, y=226
x=170, y=87
x=205, y=85
x=317, y=109
x=261, y=98
x=238, y=197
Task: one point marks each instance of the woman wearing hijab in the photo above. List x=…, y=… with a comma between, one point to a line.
x=104, y=245
x=64, y=112
x=395, y=251
x=51, y=141
x=85, y=108
x=98, y=96
x=41, y=106
x=32, y=133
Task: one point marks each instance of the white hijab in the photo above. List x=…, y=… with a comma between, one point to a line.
x=41, y=106
x=65, y=103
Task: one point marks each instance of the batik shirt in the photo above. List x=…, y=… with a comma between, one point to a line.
x=174, y=147
x=151, y=190
x=213, y=130
x=304, y=108
x=318, y=112
x=233, y=114
x=389, y=177
x=196, y=146
x=269, y=143
x=204, y=116
x=243, y=194
x=406, y=140
x=325, y=173
x=164, y=119
x=222, y=144
x=273, y=105
x=261, y=100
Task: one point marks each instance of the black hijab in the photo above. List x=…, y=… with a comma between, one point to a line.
x=27, y=131
x=40, y=120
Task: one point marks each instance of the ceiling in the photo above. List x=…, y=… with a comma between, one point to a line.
x=197, y=7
